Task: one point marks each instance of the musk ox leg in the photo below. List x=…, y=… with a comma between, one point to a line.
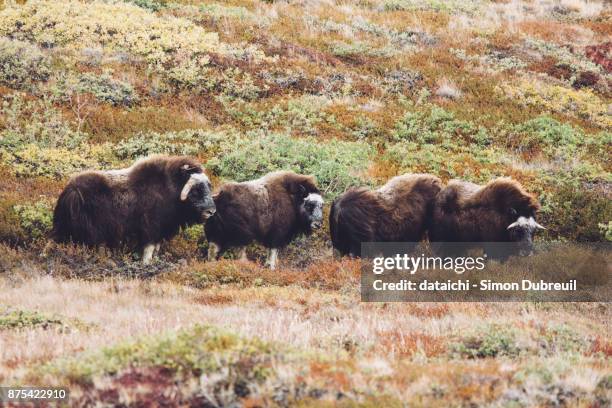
x=213, y=251
x=147, y=253
x=156, y=250
x=243, y=255
x=272, y=258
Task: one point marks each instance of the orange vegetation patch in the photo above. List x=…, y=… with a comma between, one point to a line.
x=28, y=188
x=332, y=374
x=601, y=54
x=111, y=124
x=406, y=20
x=206, y=298
x=434, y=310
x=601, y=345
x=331, y=275
x=407, y=344
x=464, y=384
x=549, y=30
x=381, y=171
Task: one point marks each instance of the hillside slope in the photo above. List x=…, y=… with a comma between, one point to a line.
x=353, y=92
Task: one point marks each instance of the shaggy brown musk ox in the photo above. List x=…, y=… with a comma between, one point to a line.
x=396, y=212
x=140, y=205
x=501, y=211
x=271, y=210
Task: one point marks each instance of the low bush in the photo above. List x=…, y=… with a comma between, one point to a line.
x=58, y=163
x=35, y=218
x=336, y=165
x=301, y=116
x=447, y=161
x=35, y=122
x=185, y=142
x=606, y=230
x=38, y=141
x=10, y=228
x=438, y=126
x=103, y=87
x=582, y=103
x=161, y=41
x=23, y=319
x=556, y=140
x=572, y=212
x=22, y=65
x=194, y=351
x=153, y=5
x=492, y=341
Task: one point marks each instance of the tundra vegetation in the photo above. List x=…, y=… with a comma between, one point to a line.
x=352, y=92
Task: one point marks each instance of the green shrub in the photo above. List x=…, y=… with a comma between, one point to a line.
x=10, y=228
x=573, y=212
x=38, y=141
x=36, y=219
x=186, y=142
x=448, y=160
x=218, y=12
x=22, y=64
x=606, y=230
x=103, y=87
x=554, y=138
x=300, y=115
x=492, y=341
x=235, y=83
x=336, y=165
x=366, y=129
x=196, y=350
x=438, y=126
x=35, y=122
x=153, y=5
x=21, y=319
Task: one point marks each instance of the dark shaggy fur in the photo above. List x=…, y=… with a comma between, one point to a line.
x=466, y=212
x=266, y=210
x=139, y=205
x=396, y=212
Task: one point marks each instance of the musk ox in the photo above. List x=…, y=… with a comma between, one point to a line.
x=139, y=206
x=396, y=212
x=271, y=210
x=501, y=211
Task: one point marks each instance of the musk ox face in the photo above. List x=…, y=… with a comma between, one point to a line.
x=311, y=210
x=521, y=231
x=197, y=192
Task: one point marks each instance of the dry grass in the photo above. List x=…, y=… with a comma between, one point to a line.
x=400, y=342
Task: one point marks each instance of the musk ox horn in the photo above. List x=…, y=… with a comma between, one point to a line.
x=187, y=188
x=525, y=221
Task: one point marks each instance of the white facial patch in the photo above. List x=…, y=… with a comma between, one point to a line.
x=314, y=198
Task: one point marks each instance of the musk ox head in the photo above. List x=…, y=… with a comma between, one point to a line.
x=522, y=230
x=311, y=209
x=197, y=192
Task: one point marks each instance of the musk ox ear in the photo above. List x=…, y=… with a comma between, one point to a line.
x=189, y=169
